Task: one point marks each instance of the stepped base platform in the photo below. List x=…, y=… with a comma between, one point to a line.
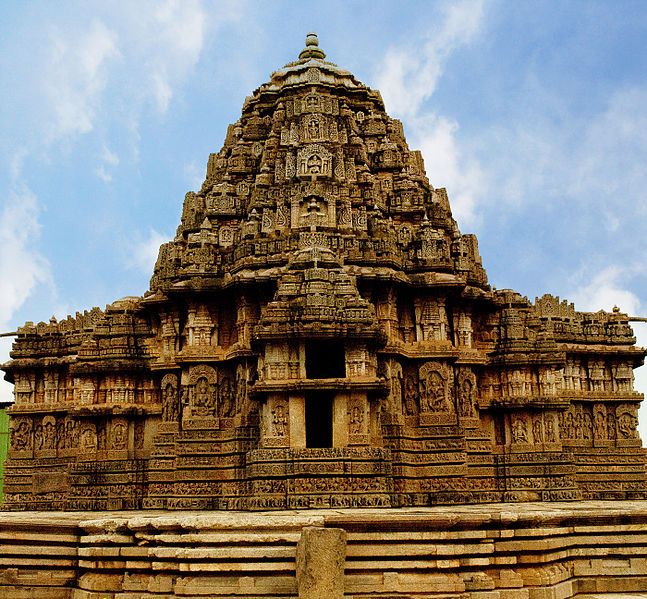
x=587, y=550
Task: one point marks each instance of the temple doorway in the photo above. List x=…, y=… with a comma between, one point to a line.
x=319, y=419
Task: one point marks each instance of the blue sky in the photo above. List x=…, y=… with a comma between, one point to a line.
x=532, y=114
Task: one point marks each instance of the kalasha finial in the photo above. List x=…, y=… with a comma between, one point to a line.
x=312, y=49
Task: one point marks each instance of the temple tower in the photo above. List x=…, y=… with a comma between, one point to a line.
x=319, y=333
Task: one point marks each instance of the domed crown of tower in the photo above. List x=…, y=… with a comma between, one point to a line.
x=314, y=160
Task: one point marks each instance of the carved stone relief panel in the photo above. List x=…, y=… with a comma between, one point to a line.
x=226, y=397
x=226, y=236
x=85, y=390
x=463, y=326
x=357, y=420
x=314, y=161
x=550, y=381
x=599, y=376
x=519, y=382
x=275, y=361
x=201, y=391
x=358, y=361
x=520, y=429
x=275, y=422
x=24, y=387
x=551, y=428
x=88, y=437
x=466, y=389
x=51, y=383
x=118, y=437
x=313, y=210
x=170, y=398
x=623, y=378
x=434, y=386
x=627, y=421
x=431, y=319
x=22, y=434
x=201, y=328
x=67, y=435
x=170, y=334
x=243, y=376
x=396, y=388
x=411, y=400
x=600, y=422
x=576, y=423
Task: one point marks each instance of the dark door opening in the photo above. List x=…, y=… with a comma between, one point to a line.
x=325, y=359
x=319, y=420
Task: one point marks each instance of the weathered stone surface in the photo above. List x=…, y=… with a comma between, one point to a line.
x=320, y=334
x=320, y=558
x=509, y=551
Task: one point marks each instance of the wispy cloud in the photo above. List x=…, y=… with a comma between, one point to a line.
x=408, y=77
x=142, y=250
x=108, y=160
x=604, y=290
x=75, y=77
x=22, y=266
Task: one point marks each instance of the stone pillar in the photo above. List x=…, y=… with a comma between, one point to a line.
x=321, y=554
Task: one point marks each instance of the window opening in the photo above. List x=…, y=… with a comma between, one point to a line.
x=325, y=360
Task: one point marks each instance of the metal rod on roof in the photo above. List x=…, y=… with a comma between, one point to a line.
x=10, y=334
x=637, y=319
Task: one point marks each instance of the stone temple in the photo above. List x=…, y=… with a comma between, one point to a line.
x=320, y=334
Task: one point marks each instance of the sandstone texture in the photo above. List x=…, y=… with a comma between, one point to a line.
x=583, y=550
x=320, y=334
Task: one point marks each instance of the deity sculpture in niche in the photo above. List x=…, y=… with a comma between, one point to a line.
x=550, y=428
x=88, y=437
x=202, y=391
x=611, y=425
x=226, y=398
x=170, y=400
x=519, y=430
x=119, y=435
x=599, y=422
x=312, y=210
x=627, y=422
x=355, y=420
x=279, y=420
x=314, y=161
x=434, y=388
x=21, y=435
x=537, y=429
x=466, y=394
x=411, y=395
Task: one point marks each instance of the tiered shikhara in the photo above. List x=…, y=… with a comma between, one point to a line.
x=319, y=333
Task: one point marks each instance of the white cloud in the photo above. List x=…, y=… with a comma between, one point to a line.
x=22, y=267
x=596, y=162
x=604, y=290
x=177, y=30
x=143, y=250
x=409, y=76
x=108, y=159
x=75, y=78
x=447, y=165
x=194, y=175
